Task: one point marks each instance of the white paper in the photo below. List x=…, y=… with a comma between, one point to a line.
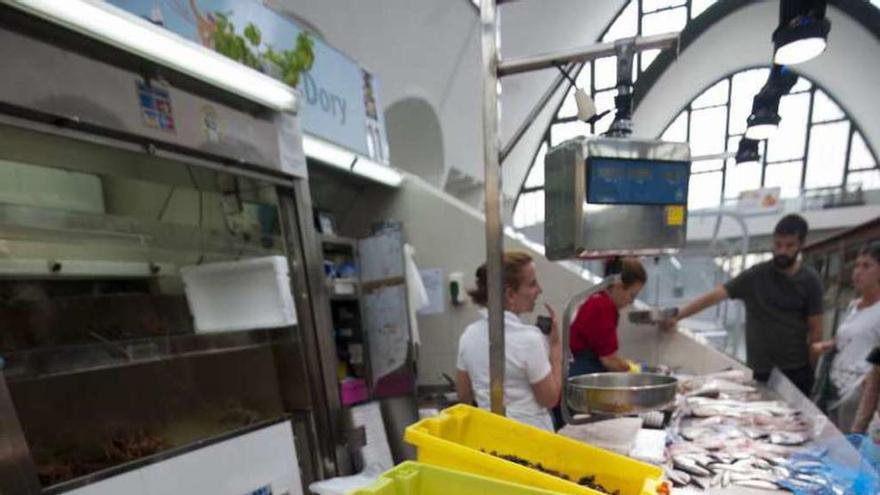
x=386, y=321
x=377, y=452
x=432, y=278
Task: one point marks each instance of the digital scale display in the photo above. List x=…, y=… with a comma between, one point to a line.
x=626, y=181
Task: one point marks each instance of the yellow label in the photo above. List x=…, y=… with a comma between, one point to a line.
x=674, y=216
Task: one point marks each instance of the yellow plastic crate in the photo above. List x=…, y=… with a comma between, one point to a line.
x=413, y=478
x=463, y=437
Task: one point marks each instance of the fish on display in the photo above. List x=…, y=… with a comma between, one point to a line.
x=788, y=438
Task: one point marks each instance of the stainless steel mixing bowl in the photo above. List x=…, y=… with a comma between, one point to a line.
x=620, y=393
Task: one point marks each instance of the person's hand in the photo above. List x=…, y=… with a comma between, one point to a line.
x=669, y=324
x=821, y=347
x=555, y=335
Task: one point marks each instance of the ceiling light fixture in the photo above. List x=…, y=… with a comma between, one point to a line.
x=764, y=120
x=802, y=33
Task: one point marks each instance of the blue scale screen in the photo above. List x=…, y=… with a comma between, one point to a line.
x=625, y=181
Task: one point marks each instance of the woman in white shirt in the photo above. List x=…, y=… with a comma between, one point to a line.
x=856, y=337
x=533, y=377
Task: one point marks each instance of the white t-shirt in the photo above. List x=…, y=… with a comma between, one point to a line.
x=856, y=336
x=528, y=362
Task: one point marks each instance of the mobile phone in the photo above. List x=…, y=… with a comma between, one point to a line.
x=545, y=323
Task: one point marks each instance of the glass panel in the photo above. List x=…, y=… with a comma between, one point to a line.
x=606, y=72
x=583, y=77
x=803, y=84
x=716, y=95
x=536, y=175
x=667, y=21
x=569, y=106
x=827, y=155
x=605, y=101
x=529, y=209
x=859, y=155
x=786, y=176
x=698, y=6
x=648, y=57
x=604, y=123
x=708, y=131
x=677, y=130
x=788, y=143
x=626, y=25
x=652, y=5
x=824, y=108
x=105, y=334
x=869, y=179
x=706, y=166
x=704, y=191
x=565, y=131
x=742, y=177
x=745, y=85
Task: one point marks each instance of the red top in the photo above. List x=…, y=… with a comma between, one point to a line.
x=595, y=326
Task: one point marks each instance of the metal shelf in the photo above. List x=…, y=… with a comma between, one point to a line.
x=338, y=240
x=40, y=363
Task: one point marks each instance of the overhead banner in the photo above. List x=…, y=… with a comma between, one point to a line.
x=340, y=101
x=757, y=201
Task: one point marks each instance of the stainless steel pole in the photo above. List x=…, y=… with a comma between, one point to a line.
x=582, y=54
x=494, y=242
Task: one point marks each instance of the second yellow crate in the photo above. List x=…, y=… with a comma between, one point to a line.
x=414, y=478
x=463, y=438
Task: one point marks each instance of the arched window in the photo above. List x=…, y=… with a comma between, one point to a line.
x=817, y=145
x=646, y=17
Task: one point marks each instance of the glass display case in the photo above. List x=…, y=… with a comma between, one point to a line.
x=100, y=356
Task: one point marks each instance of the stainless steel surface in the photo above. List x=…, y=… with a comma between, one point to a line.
x=58, y=361
x=97, y=97
x=36, y=131
x=398, y=413
x=575, y=229
x=536, y=110
x=581, y=54
x=18, y=474
x=620, y=393
x=315, y=322
x=576, y=300
x=492, y=178
x=652, y=316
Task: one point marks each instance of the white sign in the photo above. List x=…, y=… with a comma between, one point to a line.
x=765, y=200
x=432, y=278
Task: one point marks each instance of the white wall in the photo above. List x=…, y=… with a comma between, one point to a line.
x=847, y=69
x=430, y=49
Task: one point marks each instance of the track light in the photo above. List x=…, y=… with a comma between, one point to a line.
x=747, y=151
x=764, y=120
x=802, y=33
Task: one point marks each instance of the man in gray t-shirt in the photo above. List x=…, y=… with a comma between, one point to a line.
x=783, y=301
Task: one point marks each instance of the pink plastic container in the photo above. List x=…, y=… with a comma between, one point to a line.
x=353, y=391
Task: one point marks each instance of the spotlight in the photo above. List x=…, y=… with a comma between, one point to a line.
x=802, y=33
x=747, y=151
x=764, y=120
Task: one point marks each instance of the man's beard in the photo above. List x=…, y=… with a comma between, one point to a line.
x=783, y=261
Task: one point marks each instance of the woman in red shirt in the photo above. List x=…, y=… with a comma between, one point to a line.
x=593, y=341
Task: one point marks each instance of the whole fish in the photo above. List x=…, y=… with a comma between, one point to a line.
x=690, y=466
x=678, y=478
x=788, y=438
x=759, y=484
